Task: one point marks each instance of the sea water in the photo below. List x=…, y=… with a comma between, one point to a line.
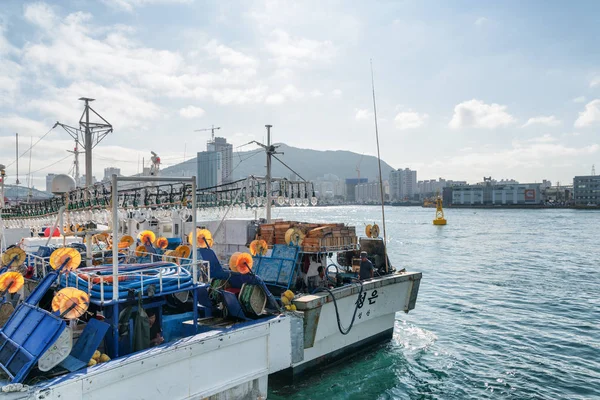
x=508, y=307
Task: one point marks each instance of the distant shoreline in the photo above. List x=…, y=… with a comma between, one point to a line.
x=478, y=207
x=523, y=207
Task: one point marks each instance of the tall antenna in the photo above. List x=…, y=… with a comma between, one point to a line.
x=29, y=193
x=17, y=153
x=593, y=170
x=91, y=132
x=76, y=153
x=270, y=150
x=380, y=177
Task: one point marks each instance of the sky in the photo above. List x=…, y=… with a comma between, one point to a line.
x=464, y=89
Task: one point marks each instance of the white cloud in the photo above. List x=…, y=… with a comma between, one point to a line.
x=476, y=114
x=316, y=93
x=10, y=81
x=230, y=57
x=40, y=14
x=543, y=120
x=291, y=92
x=590, y=115
x=410, y=120
x=336, y=93
x=580, y=99
x=546, y=138
x=288, y=51
x=122, y=105
x=275, y=99
x=151, y=72
x=534, y=153
x=23, y=125
x=481, y=21
x=362, y=114
x=191, y=112
x=130, y=5
x=595, y=81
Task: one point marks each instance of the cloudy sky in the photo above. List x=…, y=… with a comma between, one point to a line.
x=465, y=89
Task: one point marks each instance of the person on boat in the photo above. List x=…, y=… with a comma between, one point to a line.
x=317, y=281
x=366, y=267
x=156, y=337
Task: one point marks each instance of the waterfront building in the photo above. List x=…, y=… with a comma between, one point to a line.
x=329, y=186
x=351, y=188
x=220, y=145
x=497, y=194
x=403, y=184
x=558, y=194
x=49, y=179
x=586, y=190
x=370, y=192
x=109, y=172
x=81, y=182
x=433, y=187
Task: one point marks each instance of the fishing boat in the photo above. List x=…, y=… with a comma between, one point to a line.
x=229, y=319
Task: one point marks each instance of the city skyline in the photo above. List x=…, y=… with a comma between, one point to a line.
x=463, y=90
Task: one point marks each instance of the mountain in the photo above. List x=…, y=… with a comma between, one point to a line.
x=310, y=164
x=20, y=192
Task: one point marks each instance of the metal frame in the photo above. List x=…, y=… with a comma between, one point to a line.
x=115, y=217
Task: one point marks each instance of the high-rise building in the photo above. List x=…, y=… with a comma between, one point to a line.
x=109, y=172
x=49, y=179
x=210, y=169
x=351, y=188
x=81, y=182
x=370, y=192
x=403, y=184
x=221, y=146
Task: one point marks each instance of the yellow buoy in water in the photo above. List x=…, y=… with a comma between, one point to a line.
x=439, y=213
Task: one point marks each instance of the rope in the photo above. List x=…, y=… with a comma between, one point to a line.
x=342, y=330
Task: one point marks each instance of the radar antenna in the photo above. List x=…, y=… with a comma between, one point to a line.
x=92, y=133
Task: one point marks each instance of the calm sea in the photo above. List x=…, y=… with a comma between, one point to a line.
x=509, y=307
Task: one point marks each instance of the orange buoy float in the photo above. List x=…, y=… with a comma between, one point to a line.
x=233, y=261
x=11, y=282
x=70, y=303
x=244, y=263
x=68, y=257
x=183, y=251
x=140, y=251
x=147, y=238
x=203, y=238
x=13, y=257
x=161, y=243
x=259, y=247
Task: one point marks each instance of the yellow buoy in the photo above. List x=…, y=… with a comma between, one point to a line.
x=439, y=213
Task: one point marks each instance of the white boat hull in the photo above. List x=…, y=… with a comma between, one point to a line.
x=379, y=301
x=217, y=365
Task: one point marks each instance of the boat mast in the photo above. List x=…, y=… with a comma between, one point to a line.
x=380, y=177
x=270, y=150
x=268, y=177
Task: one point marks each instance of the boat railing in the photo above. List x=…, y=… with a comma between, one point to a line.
x=166, y=277
x=40, y=265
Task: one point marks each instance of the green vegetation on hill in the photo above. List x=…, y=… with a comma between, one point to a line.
x=310, y=164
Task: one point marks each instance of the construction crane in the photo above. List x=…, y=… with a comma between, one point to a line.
x=358, y=167
x=212, y=129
